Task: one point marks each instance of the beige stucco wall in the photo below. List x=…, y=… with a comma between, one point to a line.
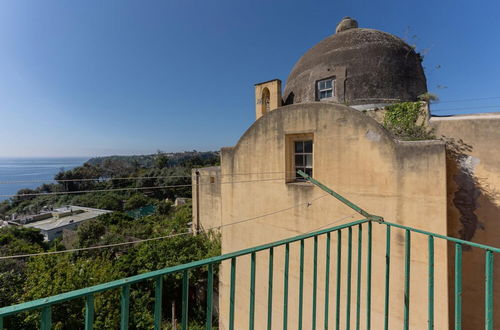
x=207, y=209
x=474, y=202
x=354, y=155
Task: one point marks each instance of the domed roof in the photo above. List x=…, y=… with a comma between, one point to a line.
x=369, y=67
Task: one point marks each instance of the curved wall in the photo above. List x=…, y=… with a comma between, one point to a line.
x=355, y=156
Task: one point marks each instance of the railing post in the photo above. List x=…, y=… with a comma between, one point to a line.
x=369, y=278
x=315, y=281
x=125, y=297
x=339, y=278
x=431, y=283
x=46, y=318
x=232, y=293
x=285, y=287
x=488, y=294
x=458, y=286
x=185, y=299
x=358, y=294
x=89, y=312
x=349, y=266
x=407, y=280
x=270, y=290
x=158, y=302
x=387, y=275
x=252, y=292
x=327, y=279
x=210, y=289
x=301, y=283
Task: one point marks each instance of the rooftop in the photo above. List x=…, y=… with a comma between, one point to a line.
x=85, y=213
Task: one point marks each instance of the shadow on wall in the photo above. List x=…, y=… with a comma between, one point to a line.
x=473, y=215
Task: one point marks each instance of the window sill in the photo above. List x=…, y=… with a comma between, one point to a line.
x=300, y=184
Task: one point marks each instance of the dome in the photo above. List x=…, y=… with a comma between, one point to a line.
x=367, y=67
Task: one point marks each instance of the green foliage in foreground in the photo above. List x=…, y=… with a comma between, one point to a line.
x=50, y=275
x=407, y=121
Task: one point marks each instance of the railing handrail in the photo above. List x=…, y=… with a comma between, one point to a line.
x=43, y=302
x=124, y=283
x=448, y=238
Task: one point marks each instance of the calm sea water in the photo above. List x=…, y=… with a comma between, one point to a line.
x=31, y=169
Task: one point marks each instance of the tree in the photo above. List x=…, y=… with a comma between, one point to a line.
x=51, y=275
x=137, y=201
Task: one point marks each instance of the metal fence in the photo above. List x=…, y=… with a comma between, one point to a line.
x=351, y=316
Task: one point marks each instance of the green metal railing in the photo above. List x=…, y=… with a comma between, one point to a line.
x=347, y=301
x=45, y=305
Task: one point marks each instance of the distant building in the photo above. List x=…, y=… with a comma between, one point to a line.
x=67, y=217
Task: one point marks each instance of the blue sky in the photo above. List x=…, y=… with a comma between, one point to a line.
x=87, y=78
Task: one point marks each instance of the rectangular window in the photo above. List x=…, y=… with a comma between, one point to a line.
x=326, y=88
x=303, y=158
x=298, y=156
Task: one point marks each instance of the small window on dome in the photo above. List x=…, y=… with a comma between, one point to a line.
x=326, y=88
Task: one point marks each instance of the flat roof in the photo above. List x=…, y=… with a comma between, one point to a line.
x=53, y=223
x=486, y=115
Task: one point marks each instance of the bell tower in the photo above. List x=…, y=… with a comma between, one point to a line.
x=267, y=97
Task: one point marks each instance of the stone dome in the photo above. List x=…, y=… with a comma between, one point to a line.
x=368, y=67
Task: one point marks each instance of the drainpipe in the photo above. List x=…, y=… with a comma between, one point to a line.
x=197, y=201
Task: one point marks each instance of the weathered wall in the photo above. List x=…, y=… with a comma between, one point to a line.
x=473, y=200
x=207, y=209
x=404, y=182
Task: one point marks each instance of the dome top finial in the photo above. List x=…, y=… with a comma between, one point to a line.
x=346, y=23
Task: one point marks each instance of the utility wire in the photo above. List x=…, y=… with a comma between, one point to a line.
x=308, y=203
x=131, y=188
x=133, y=178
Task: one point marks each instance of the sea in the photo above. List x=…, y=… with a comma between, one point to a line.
x=19, y=173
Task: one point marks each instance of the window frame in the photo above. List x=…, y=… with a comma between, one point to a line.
x=319, y=90
x=290, y=155
x=303, y=153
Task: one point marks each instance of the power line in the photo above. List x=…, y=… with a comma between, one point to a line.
x=131, y=178
x=130, y=188
x=308, y=203
x=95, y=179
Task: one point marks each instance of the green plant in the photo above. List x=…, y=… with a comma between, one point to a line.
x=428, y=97
x=406, y=121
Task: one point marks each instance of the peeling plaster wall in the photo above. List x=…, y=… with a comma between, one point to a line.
x=473, y=201
x=403, y=181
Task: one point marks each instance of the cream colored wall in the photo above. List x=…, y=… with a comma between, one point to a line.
x=474, y=202
x=403, y=182
x=207, y=210
x=274, y=87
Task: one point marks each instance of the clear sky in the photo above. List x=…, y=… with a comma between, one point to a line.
x=87, y=78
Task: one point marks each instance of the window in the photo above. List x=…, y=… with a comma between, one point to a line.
x=326, y=88
x=303, y=158
x=298, y=156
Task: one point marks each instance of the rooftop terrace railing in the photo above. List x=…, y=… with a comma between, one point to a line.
x=346, y=308
x=45, y=305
